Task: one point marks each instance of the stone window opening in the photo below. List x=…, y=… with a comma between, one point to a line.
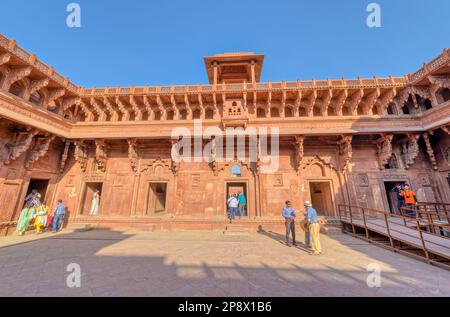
x=183, y=115
x=346, y=111
x=260, y=113
x=392, y=163
x=274, y=113
x=288, y=112
x=170, y=115
x=35, y=98
x=196, y=114
x=391, y=109
x=209, y=114
x=443, y=95
x=17, y=89
x=317, y=112
x=302, y=112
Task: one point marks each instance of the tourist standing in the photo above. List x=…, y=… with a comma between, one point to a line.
x=409, y=197
x=289, y=216
x=25, y=218
x=314, y=228
x=95, y=203
x=41, y=218
x=242, y=205
x=233, y=210
x=58, y=216
x=400, y=200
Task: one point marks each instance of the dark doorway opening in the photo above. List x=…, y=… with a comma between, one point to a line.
x=392, y=196
x=157, y=198
x=321, y=198
x=41, y=185
x=236, y=188
x=88, y=196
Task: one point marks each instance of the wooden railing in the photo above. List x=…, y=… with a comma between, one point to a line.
x=361, y=217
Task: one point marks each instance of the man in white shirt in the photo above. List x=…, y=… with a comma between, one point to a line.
x=233, y=207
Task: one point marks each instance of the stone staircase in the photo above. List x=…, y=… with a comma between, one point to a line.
x=235, y=229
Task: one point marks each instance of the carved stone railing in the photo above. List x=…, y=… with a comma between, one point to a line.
x=31, y=60
x=435, y=64
x=389, y=82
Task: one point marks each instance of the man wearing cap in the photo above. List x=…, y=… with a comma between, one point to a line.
x=289, y=215
x=314, y=228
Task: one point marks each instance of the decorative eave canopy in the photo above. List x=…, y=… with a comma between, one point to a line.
x=234, y=68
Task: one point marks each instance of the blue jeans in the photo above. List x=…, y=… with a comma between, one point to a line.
x=57, y=222
x=233, y=212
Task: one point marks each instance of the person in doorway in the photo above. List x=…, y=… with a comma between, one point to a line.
x=289, y=215
x=314, y=228
x=242, y=204
x=233, y=207
x=409, y=197
x=400, y=200
x=95, y=203
x=25, y=218
x=34, y=198
x=58, y=216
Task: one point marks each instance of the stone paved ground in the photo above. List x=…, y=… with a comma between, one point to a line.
x=130, y=263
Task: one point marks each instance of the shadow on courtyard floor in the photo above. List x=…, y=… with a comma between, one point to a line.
x=39, y=268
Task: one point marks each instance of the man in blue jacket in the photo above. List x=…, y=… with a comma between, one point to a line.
x=289, y=215
x=58, y=217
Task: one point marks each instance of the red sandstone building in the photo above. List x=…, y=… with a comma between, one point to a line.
x=344, y=141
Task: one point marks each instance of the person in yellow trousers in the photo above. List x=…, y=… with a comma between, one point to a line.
x=41, y=218
x=314, y=228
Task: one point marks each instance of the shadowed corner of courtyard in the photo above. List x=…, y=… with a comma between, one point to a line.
x=130, y=263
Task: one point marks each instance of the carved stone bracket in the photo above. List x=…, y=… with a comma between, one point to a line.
x=441, y=81
x=65, y=155
x=175, y=157
x=81, y=154
x=345, y=151
x=14, y=75
x=39, y=149
x=19, y=146
x=410, y=150
x=384, y=145
x=299, y=152
x=4, y=58
x=430, y=151
x=101, y=156
x=133, y=155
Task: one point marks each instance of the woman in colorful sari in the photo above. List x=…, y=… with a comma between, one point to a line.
x=95, y=203
x=41, y=218
x=24, y=220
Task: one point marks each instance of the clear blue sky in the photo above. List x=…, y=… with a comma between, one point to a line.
x=151, y=42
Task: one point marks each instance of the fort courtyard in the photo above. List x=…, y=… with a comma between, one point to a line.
x=132, y=263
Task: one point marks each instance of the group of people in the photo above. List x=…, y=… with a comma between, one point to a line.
x=237, y=204
x=310, y=224
x=38, y=214
x=406, y=200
